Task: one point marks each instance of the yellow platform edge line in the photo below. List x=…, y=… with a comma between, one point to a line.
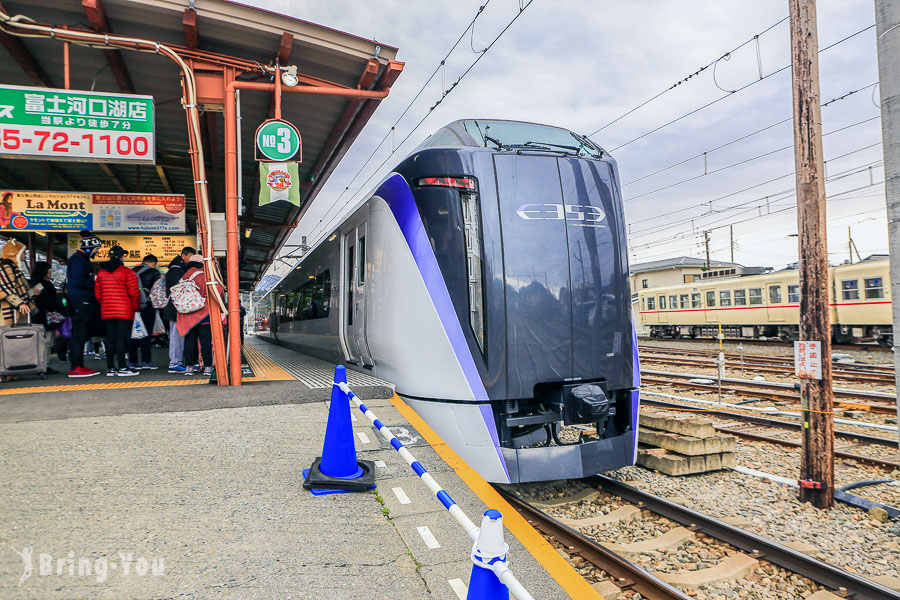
x=565, y=575
x=81, y=387
x=264, y=367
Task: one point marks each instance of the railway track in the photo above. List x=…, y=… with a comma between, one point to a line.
x=629, y=577
x=854, y=374
x=877, y=402
x=784, y=366
x=778, y=343
x=761, y=429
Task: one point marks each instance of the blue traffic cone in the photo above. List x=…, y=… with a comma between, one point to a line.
x=338, y=469
x=488, y=550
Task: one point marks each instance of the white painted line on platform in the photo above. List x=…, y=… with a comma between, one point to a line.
x=364, y=438
x=353, y=417
x=459, y=588
x=401, y=495
x=428, y=537
x=380, y=464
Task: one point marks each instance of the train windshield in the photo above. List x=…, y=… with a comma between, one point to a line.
x=514, y=135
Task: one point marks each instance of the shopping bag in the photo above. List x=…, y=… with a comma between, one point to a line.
x=138, y=329
x=158, y=327
x=65, y=329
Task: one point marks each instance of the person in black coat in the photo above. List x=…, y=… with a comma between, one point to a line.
x=147, y=276
x=43, y=293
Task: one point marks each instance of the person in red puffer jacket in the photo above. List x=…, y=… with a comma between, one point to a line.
x=117, y=291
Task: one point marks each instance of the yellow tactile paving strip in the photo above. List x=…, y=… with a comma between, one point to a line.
x=264, y=368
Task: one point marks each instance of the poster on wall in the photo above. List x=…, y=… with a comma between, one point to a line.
x=45, y=211
x=138, y=212
x=75, y=211
x=164, y=247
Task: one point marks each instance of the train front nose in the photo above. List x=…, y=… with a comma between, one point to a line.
x=568, y=318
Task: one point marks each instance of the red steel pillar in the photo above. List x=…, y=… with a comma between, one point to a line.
x=231, y=228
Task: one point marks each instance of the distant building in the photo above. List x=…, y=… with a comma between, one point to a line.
x=684, y=269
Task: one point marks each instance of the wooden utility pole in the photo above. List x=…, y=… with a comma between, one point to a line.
x=731, y=238
x=887, y=19
x=706, y=242
x=817, y=454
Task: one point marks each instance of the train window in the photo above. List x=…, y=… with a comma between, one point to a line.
x=695, y=301
x=643, y=304
x=322, y=295
x=756, y=297
x=710, y=298
x=774, y=294
x=673, y=302
x=662, y=303
x=874, y=288
x=471, y=215
x=850, y=289
x=350, y=285
x=793, y=294
x=740, y=297
x=651, y=303
x=644, y=284
x=362, y=260
x=684, y=301
x=725, y=298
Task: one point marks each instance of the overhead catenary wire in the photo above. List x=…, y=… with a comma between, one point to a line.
x=742, y=138
x=422, y=120
x=440, y=68
x=745, y=161
x=692, y=75
x=720, y=98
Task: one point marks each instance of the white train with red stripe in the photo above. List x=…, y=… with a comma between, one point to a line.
x=768, y=306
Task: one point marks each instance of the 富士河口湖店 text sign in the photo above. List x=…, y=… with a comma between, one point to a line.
x=53, y=124
x=74, y=211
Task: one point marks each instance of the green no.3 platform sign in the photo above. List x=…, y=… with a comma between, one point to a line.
x=278, y=141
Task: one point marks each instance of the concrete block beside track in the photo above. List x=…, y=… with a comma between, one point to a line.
x=687, y=445
x=684, y=425
x=673, y=464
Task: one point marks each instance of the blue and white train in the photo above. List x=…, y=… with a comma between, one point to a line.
x=487, y=278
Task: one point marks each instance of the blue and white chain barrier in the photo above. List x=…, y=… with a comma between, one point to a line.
x=499, y=567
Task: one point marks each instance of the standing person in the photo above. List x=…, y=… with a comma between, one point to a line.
x=147, y=276
x=120, y=298
x=82, y=302
x=195, y=326
x=15, y=299
x=49, y=310
x=176, y=340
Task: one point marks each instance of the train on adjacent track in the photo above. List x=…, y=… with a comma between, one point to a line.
x=768, y=306
x=487, y=278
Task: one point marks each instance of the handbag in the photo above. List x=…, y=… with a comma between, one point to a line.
x=65, y=329
x=138, y=329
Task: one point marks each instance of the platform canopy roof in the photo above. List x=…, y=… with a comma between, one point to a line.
x=328, y=124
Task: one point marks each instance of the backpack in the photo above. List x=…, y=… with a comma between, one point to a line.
x=186, y=296
x=144, y=295
x=158, y=296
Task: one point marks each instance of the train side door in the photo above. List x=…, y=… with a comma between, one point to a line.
x=775, y=300
x=710, y=297
x=354, y=282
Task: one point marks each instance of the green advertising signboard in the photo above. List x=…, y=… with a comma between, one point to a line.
x=43, y=123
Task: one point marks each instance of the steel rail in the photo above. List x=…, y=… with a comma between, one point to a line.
x=785, y=371
x=869, y=460
x=779, y=343
x=862, y=437
x=628, y=576
x=846, y=584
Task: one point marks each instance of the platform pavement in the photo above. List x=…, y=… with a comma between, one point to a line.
x=208, y=481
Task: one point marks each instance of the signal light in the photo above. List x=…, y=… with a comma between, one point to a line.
x=464, y=183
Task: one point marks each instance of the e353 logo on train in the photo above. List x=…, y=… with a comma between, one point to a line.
x=580, y=215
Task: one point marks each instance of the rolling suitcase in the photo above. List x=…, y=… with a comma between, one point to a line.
x=22, y=350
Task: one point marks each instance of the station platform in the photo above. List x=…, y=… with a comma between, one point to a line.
x=106, y=481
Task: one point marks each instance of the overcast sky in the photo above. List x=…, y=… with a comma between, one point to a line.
x=581, y=64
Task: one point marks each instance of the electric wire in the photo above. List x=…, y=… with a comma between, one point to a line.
x=685, y=79
x=744, y=87
x=743, y=137
x=422, y=120
x=389, y=133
